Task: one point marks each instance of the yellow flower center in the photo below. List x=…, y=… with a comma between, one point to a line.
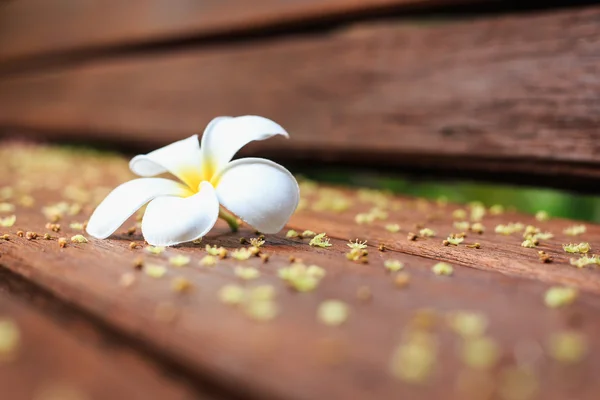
x=192, y=177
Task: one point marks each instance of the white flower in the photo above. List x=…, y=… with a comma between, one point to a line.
x=260, y=192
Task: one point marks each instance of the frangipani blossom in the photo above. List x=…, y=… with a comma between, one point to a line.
x=260, y=192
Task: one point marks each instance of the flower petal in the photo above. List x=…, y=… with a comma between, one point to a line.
x=126, y=199
x=259, y=191
x=182, y=158
x=224, y=136
x=172, y=220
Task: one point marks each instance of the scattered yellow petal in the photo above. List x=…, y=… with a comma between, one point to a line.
x=496, y=209
x=155, y=271
x=459, y=214
x=179, y=260
x=241, y=254
x=442, y=268
x=393, y=228
x=559, y=296
x=156, y=250
x=220, y=252
x=575, y=230
x=10, y=340
x=509, y=228
x=333, y=312
x=583, y=247
x=181, y=284
x=567, y=347
x=480, y=353
x=402, y=279
x=542, y=216
x=413, y=361
x=79, y=239
x=454, y=240
x=257, y=242
x=378, y=213
x=246, y=273
x=477, y=212
x=478, y=227
x=262, y=292
x=357, y=245
x=585, y=260
x=6, y=207
x=393, y=265
x=232, y=294
x=78, y=226
x=468, y=323
x=529, y=243
x=292, y=234
x=26, y=201
x=357, y=254
x=426, y=232
x=208, y=261
x=364, y=218
x=301, y=277
x=320, y=240
x=462, y=225
x=9, y=221
x=261, y=310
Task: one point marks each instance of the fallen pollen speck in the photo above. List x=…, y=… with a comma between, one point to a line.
x=246, y=273
x=231, y=294
x=79, y=239
x=333, y=312
x=179, y=260
x=10, y=340
x=155, y=271
x=181, y=284
x=559, y=296
x=442, y=268
x=401, y=280
x=567, y=347
x=393, y=265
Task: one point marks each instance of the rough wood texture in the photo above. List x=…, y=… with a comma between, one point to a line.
x=294, y=356
x=489, y=95
x=38, y=27
x=68, y=362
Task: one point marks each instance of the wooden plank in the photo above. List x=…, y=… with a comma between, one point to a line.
x=503, y=253
x=38, y=27
x=69, y=361
x=294, y=356
x=487, y=96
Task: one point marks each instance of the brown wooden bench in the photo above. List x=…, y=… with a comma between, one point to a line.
x=452, y=88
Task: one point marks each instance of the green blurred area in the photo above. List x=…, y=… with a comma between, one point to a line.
x=526, y=199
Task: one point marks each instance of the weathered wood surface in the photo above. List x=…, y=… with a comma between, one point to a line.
x=68, y=360
x=295, y=356
x=489, y=95
x=503, y=253
x=37, y=27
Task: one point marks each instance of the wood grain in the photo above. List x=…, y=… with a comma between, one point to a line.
x=294, y=356
x=486, y=96
x=52, y=360
x=37, y=27
x=503, y=253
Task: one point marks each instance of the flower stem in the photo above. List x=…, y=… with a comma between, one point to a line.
x=230, y=219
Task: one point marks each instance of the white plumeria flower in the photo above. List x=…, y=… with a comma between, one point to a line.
x=260, y=192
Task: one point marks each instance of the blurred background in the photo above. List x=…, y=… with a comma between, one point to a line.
x=445, y=98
